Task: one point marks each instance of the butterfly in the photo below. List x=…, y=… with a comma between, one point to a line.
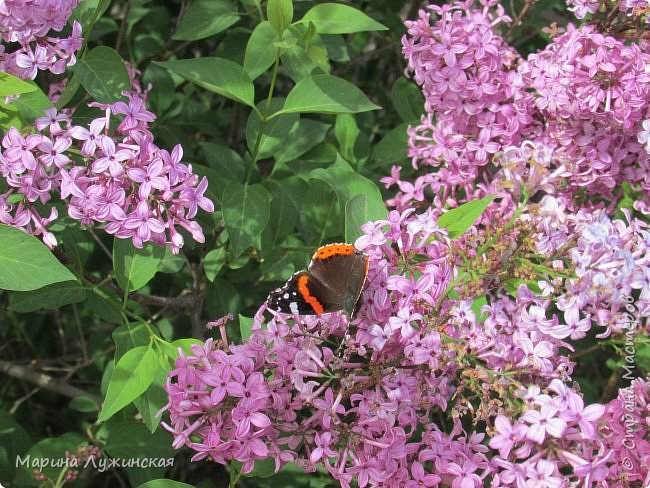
x=333, y=282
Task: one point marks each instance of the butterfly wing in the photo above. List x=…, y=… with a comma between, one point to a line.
x=301, y=295
x=332, y=283
x=338, y=272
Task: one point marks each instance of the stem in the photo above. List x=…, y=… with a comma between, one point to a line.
x=451, y=286
x=235, y=474
x=517, y=21
x=125, y=19
x=263, y=118
x=260, y=11
x=506, y=228
x=60, y=480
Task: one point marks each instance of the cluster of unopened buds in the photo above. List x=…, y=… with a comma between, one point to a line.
x=74, y=463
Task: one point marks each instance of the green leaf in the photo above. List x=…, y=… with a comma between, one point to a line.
x=105, y=305
x=279, y=264
x=213, y=262
x=87, y=12
x=321, y=217
x=133, y=374
x=10, y=85
x=134, y=267
x=217, y=75
x=78, y=245
x=227, y=162
x=84, y=404
x=52, y=448
x=32, y=105
x=165, y=483
x=49, y=297
x=476, y=308
x=14, y=441
x=10, y=117
x=152, y=400
x=130, y=336
x=245, y=326
x=275, y=132
x=299, y=65
x=279, y=13
x=348, y=185
x=70, y=90
x=392, y=148
x=337, y=48
x=162, y=87
x=264, y=468
x=103, y=74
x=222, y=298
x=260, y=51
x=217, y=181
x=307, y=134
x=127, y=439
x=185, y=345
x=283, y=214
x=328, y=95
x=512, y=285
x=358, y=211
x=346, y=132
x=407, y=100
x=171, y=263
x=245, y=214
x=335, y=18
x=26, y=263
x=458, y=220
x=205, y=18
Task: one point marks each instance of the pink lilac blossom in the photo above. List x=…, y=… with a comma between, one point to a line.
x=583, y=7
x=581, y=101
x=600, y=92
x=472, y=90
x=635, y=8
x=27, y=24
x=121, y=179
x=362, y=398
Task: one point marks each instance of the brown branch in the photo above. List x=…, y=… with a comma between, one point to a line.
x=44, y=381
x=198, y=286
x=183, y=301
x=125, y=19
x=517, y=20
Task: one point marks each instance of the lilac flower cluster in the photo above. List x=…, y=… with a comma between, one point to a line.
x=364, y=399
x=610, y=261
x=457, y=369
x=474, y=98
x=633, y=8
x=583, y=99
x=27, y=23
x=593, y=92
x=115, y=176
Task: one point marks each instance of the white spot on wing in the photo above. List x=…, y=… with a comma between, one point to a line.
x=293, y=306
x=285, y=296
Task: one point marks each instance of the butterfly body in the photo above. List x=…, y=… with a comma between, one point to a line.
x=333, y=282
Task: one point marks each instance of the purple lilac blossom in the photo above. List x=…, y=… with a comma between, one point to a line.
x=122, y=181
x=27, y=24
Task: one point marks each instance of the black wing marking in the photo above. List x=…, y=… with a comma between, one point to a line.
x=287, y=299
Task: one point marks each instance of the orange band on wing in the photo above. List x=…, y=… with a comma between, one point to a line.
x=304, y=291
x=334, y=250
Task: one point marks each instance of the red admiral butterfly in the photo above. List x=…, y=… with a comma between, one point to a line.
x=332, y=282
